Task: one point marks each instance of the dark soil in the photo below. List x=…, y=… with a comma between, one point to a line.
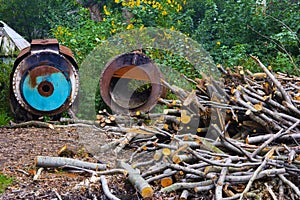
x=20, y=146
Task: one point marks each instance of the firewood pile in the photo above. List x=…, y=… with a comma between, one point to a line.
x=236, y=140
x=232, y=139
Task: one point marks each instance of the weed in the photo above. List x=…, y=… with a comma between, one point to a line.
x=5, y=181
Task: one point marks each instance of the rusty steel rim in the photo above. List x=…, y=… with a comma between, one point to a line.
x=42, y=58
x=131, y=66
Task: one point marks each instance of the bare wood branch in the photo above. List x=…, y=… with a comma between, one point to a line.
x=220, y=183
x=137, y=180
x=269, y=188
x=285, y=95
x=38, y=124
x=184, y=195
x=38, y=173
x=178, y=186
x=289, y=183
x=277, y=135
x=256, y=172
x=47, y=161
x=106, y=190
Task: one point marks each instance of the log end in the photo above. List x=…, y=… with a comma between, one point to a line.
x=167, y=181
x=176, y=159
x=147, y=192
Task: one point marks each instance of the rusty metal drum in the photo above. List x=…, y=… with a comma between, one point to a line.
x=44, y=80
x=131, y=82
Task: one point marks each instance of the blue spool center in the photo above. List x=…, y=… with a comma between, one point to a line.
x=45, y=88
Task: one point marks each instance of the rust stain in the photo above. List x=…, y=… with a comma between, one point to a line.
x=40, y=71
x=38, y=61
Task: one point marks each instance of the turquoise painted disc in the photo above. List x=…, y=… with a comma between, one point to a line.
x=48, y=93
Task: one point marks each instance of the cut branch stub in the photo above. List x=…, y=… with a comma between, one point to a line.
x=137, y=181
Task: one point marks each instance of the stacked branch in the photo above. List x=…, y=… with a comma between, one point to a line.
x=225, y=137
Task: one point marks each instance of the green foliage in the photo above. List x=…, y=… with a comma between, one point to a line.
x=117, y=17
x=168, y=59
x=237, y=27
x=232, y=30
x=166, y=14
x=4, y=182
x=31, y=18
x=4, y=118
x=5, y=70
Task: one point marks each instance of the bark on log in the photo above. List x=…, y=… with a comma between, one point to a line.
x=137, y=181
x=53, y=162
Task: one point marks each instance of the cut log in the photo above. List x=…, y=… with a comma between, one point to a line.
x=54, y=162
x=137, y=181
x=168, y=180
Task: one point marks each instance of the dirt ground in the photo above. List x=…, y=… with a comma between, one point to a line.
x=20, y=146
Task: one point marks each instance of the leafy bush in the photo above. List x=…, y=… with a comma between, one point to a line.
x=230, y=30
x=233, y=29
x=5, y=70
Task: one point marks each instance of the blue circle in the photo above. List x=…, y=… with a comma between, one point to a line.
x=61, y=91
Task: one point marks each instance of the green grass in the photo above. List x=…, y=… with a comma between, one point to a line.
x=4, y=182
x=4, y=118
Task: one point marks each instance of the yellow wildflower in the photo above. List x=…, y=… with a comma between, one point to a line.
x=164, y=12
x=270, y=67
x=106, y=12
x=172, y=28
x=138, y=3
x=117, y=1
x=59, y=28
x=179, y=8
x=159, y=7
x=131, y=4
x=129, y=26
x=142, y=27
x=218, y=43
x=113, y=30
